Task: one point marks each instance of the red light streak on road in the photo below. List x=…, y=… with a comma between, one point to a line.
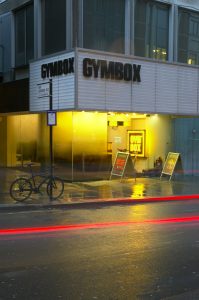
x=33, y=230
x=166, y=198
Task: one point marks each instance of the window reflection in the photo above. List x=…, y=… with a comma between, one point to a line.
x=188, y=37
x=24, y=35
x=105, y=20
x=151, y=29
x=53, y=26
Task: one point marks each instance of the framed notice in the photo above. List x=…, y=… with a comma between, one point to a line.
x=136, y=142
x=43, y=89
x=170, y=164
x=120, y=164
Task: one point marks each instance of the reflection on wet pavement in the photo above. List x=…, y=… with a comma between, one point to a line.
x=140, y=188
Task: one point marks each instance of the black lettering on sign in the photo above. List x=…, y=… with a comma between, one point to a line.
x=111, y=70
x=57, y=68
x=107, y=71
x=87, y=67
x=136, y=76
x=127, y=72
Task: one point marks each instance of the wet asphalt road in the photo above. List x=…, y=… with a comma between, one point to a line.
x=133, y=261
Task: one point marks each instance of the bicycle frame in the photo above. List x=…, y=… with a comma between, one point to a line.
x=35, y=187
x=22, y=187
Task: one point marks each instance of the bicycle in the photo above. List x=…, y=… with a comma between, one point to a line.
x=22, y=187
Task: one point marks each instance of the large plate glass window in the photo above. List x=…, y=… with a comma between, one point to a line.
x=24, y=35
x=151, y=29
x=188, y=37
x=53, y=26
x=104, y=25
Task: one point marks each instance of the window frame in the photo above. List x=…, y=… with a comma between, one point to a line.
x=106, y=49
x=68, y=23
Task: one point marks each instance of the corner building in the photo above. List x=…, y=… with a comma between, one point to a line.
x=124, y=76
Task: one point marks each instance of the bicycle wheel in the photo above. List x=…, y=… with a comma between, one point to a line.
x=57, y=185
x=20, y=189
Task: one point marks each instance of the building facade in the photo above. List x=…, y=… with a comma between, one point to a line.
x=121, y=74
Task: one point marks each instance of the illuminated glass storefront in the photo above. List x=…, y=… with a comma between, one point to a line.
x=85, y=142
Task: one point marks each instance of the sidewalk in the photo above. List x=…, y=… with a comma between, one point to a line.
x=137, y=190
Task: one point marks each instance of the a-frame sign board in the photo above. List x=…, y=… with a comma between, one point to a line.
x=170, y=164
x=120, y=164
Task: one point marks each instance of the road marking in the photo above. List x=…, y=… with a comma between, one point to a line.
x=43, y=229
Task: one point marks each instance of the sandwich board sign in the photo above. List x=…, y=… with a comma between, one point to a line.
x=170, y=164
x=120, y=164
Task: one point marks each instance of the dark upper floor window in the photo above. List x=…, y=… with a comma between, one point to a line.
x=104, y=25
x=151, y=29
x=53, y=26
x=24, y=35
x=188, y=37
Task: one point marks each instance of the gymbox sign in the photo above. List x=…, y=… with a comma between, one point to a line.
x=96, y=68
x=111, y=70
x=57, y=68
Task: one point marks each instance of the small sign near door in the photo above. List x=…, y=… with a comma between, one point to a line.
x=51, y=118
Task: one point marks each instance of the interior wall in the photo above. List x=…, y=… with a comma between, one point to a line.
x=89, y=133
x=22, y=137
x=63, y=134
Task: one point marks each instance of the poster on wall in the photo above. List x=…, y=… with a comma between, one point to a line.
x=170, y=164
x=136, y=142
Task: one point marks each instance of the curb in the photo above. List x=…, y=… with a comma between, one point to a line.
x=90, y=202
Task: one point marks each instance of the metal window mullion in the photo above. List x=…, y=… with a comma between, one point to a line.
x=80, y=28
x=69, y=24
x=25, y=29
x=13, y=41
x=171, y=33
x=132, y=27
x=37, y=29
x=176, y=33
x=127, y=31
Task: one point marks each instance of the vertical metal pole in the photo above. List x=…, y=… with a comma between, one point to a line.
x=51, y=138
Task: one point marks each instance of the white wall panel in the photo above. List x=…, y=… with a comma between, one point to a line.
x=143, y=94
x=86, y=91
x=118, y=96
x=88, y=87
x=63, y=86
x=166, y=88
x=187, y=90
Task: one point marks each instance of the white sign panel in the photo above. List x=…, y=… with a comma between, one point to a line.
x=109, y=82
